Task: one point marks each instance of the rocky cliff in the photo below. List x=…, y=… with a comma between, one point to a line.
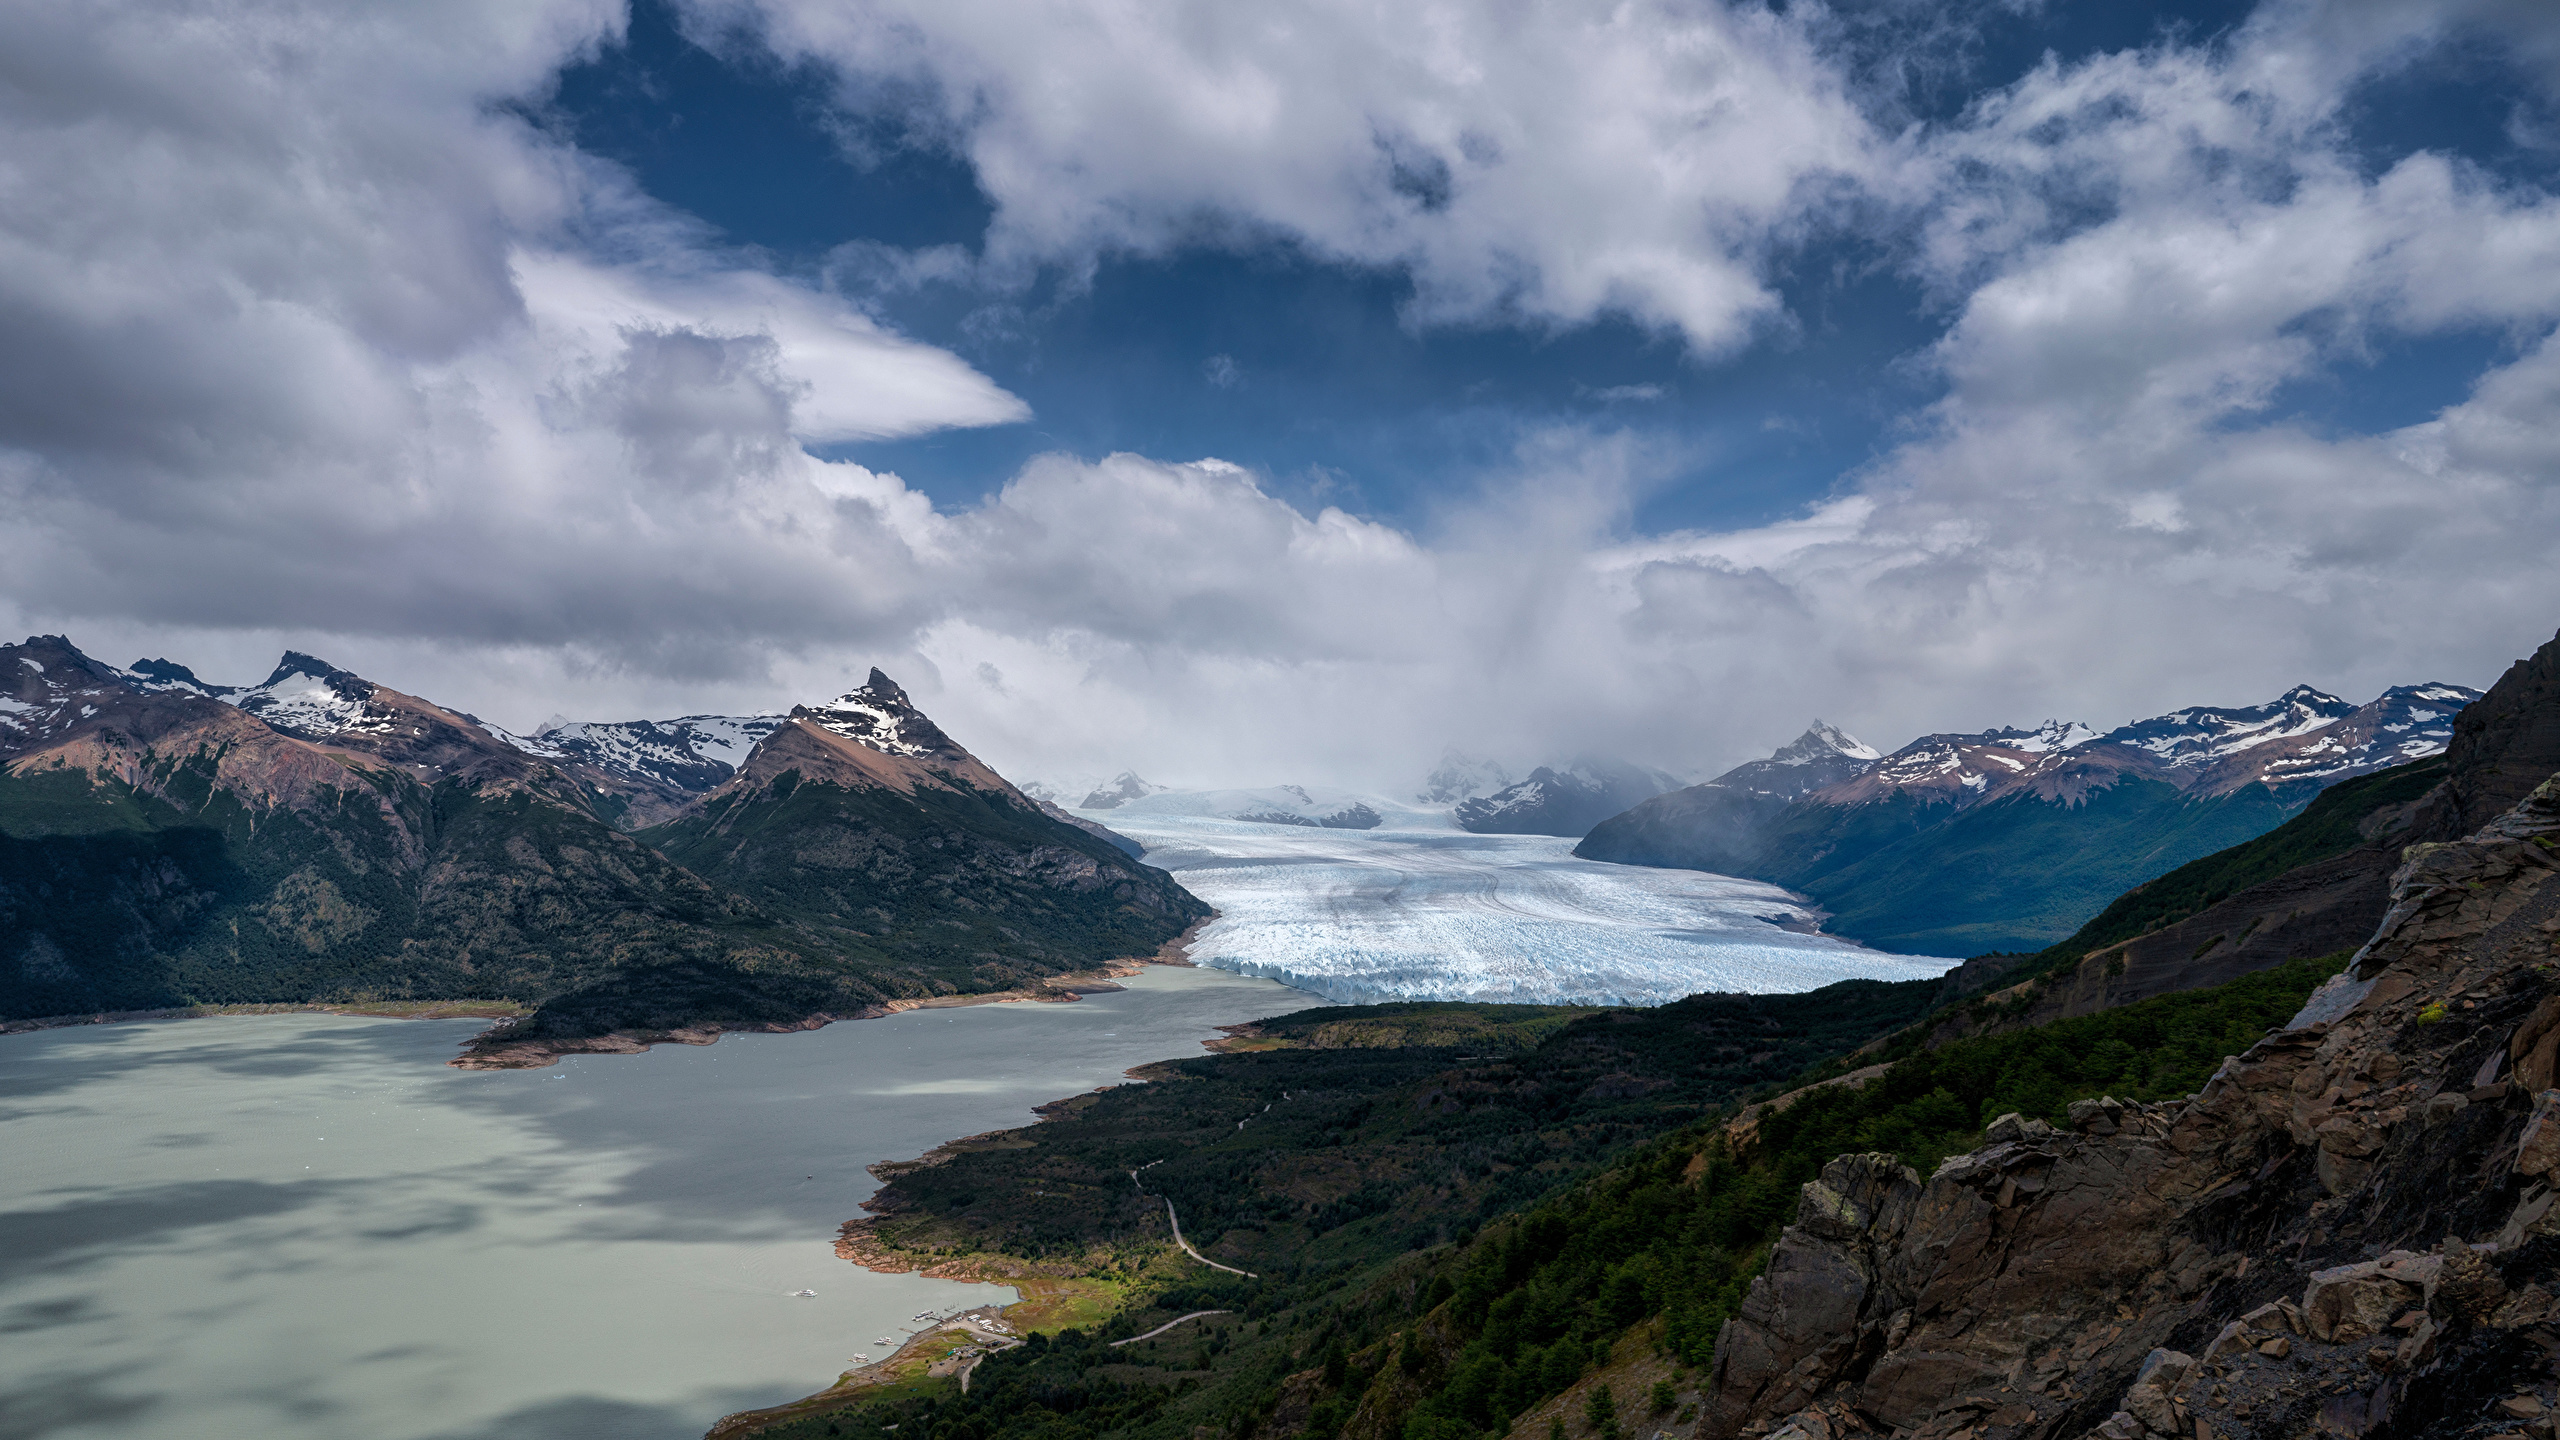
x=2350, y=1230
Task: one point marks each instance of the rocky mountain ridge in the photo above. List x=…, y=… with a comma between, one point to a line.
x=320, y=837
x=2009, y=839
x=2349, y=1230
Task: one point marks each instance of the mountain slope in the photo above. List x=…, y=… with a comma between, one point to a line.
x=640, y=772
x=1568, y=801
x=867, y=829
x=2318, y=883
x=1718, y=825
x=320, y=837
x=2009, y=840
x=159, y=846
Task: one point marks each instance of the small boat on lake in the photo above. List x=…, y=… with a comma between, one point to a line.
x=804, y=1294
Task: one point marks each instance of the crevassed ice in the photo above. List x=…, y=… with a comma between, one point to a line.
x=1420, y=910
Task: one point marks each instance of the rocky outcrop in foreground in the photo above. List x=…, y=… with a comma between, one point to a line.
x=2350, y=1230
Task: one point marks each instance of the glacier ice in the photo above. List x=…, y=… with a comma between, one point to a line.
x=1418, y=909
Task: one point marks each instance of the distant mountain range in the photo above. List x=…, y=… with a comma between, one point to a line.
x=318, y=836
x=1566, y=800
x=2007, y=840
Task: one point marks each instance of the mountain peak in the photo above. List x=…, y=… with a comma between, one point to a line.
x=880, y=717
x=170, y=675
x=1119, y=790
x=1819, y=740
x=307, y=697
x=296, y=663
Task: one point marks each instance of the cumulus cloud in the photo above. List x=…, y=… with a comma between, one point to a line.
x=298, y=323
x=304, y=340
x=1541, y=162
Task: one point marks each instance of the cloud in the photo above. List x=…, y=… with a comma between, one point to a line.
x=1541, y=163
x=1614, y=394
x=306, y=341
x=299, y=324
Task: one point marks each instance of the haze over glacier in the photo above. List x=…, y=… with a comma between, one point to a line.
x=1418, y=909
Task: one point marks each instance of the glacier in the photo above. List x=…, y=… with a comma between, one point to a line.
x=1418, y=909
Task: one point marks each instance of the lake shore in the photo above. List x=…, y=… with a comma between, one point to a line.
x=363, y=1010
x=483, y=1054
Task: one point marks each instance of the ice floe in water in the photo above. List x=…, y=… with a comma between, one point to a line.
x=1418, y=909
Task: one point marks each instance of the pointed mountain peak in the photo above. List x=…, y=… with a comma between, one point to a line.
x=1820, y=739
x=880, y=716
x=305, y=697
x=296, y=663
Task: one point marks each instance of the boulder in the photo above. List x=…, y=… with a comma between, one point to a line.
x=2348, y=1303
x=2153, y=1398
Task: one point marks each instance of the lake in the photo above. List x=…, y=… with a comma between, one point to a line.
x=308, y=1227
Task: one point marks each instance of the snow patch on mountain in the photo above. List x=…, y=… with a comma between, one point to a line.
x=1121, y=789
x=2204, y=735
x=692, y=752
x=1820, y=742
x=312, y=699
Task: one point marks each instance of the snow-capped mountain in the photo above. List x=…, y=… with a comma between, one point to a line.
x=1897, y=849
x=880, y=716
x=1822, y=755
x=1270, y=805
x=318, y=834
x=1460, y=776
x=2191, y=739
x=49, y=691
x=2404, y=723
x=691, y=754
x=311, y=699
x=1117, y=791
x=1563, y=801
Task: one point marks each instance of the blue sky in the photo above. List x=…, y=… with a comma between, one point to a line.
x=1304, y=369
x=1249, y=394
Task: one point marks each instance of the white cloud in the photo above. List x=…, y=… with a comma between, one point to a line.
x=1544, y=162
x=301, y=342
x=850, y=378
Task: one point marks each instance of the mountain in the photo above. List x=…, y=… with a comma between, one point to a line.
x=1562, y=802
x=1715, y=826
x=1269, y=805
x=1117, y=791
x=318, y=836
x=161, y=846
x=864, y=828
x=642, y=771
x=2317, y=883
x=1461, y=776
x=2009, y=839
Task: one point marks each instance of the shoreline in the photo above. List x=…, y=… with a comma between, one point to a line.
x=354, y=1009
x=1060, y=989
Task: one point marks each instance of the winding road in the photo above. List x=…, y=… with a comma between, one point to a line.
x=1177, y=1233
x=1169, y=1324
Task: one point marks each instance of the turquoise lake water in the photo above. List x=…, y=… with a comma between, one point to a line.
x=307, y=1227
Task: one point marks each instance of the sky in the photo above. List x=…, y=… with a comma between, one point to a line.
x=1289, y=393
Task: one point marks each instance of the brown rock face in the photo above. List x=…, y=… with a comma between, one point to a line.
x=2351, y=1227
